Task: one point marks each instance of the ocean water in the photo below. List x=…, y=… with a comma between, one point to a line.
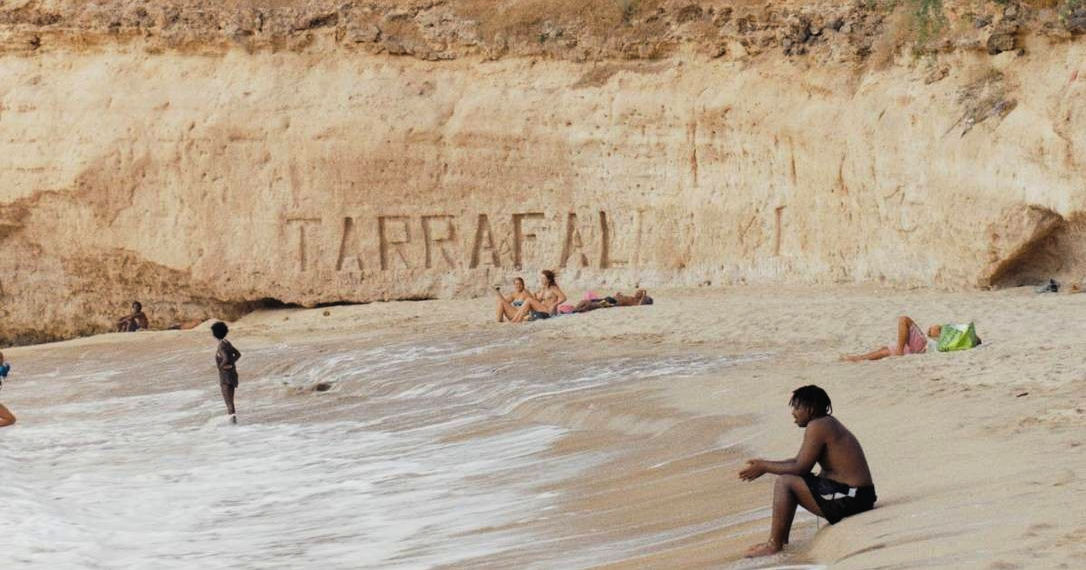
x=410, y=455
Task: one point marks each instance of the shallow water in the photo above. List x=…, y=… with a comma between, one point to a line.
x=413, y=456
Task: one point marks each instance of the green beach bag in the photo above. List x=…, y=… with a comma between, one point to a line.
x=957, y=337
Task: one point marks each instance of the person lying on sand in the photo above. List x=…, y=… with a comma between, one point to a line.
x=133, y=322
x=910, y=340
x=186, y=325
x=508, y=305
x=843, y=488
x=544, y=304
x=640, y=297
x=6, y=417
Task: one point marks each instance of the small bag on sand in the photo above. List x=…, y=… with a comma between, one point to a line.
x=958, y=337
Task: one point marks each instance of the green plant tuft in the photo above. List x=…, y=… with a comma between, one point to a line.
x=928, y=19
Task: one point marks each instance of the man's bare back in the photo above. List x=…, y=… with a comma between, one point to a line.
x=842, y=457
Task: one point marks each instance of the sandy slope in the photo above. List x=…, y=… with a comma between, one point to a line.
x=977, y=456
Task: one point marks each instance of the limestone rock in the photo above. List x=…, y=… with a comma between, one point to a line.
x=1014, y=238
x=1075, y=21
x=1004, y=38
x=213, y=159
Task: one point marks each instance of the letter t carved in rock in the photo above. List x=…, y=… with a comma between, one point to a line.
x=306, y=229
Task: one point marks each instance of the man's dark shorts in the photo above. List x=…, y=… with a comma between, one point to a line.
x=838, y=500
x=228, y=377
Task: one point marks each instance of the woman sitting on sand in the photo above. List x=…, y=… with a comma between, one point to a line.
x=544, y=304
x=910, y=340
x=509, y=305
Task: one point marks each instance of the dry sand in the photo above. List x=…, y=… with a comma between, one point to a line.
x=977, y=456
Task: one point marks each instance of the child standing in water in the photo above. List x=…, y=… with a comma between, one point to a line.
x=6, y=417
x=225, y=358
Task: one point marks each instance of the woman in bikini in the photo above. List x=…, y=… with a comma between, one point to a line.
x=509, y=305
x=545, y=303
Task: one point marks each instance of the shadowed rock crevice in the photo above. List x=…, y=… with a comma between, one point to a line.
x=1030, y=246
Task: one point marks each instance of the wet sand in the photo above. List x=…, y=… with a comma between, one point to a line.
x=610, y=439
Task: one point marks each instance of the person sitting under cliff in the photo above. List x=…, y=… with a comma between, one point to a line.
x=544, y=304
x=843, y=488
x=133, y=322
x=508, y=305
x=640, y=297
x=910, y=340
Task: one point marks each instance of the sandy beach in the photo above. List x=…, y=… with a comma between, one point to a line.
x=422, y=434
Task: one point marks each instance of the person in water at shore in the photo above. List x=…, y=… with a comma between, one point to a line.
x=843, y=488
x=640, y=297
x=135, y=321
x=6, y=417
x=544, y=304
x=508, y=305
x=226, y=358
x=910, y=340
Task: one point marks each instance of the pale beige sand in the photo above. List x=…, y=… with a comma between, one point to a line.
x=977, y=456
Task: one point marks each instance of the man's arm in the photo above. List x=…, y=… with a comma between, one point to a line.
x=230, y=355
x=813, y=440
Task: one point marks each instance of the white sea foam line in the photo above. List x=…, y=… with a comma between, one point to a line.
x=218, y=490
x=115, y=471
x=114, y=432
x=642, y=372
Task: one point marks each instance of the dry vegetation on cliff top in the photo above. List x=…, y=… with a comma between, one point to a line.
x=562, y=29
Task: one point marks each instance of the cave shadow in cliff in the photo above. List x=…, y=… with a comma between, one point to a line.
x=1059, y=254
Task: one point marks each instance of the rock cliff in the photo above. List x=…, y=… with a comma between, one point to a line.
x=209, y=157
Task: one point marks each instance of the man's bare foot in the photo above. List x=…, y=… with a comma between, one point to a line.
x=850, y=358
x=763, y=549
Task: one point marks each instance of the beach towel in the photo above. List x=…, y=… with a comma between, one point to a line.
x=958, y=337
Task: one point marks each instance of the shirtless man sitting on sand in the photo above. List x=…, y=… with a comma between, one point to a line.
x=133, y=322
x=640, y=297
x=843, y=488
x=910, y=340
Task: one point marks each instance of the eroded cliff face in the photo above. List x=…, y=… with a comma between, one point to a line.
x=207, y=157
